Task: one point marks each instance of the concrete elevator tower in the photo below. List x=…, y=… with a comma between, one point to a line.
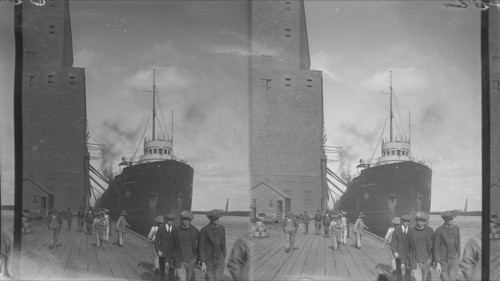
x=55, y=156
x=286, y=109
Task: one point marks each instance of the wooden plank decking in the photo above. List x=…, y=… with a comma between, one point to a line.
x=314, y=259
x=77, y=258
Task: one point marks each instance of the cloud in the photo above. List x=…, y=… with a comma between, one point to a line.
x=328, y=64
x=167, y=78
x=88, y=58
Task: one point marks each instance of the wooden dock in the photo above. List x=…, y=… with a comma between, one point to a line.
x=77, y=258
x=314, y=259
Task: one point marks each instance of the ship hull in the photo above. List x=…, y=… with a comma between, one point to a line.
x=387, y=191
x=147, y=190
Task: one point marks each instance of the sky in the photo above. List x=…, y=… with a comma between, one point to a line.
x=199, y=50
x=434, y=55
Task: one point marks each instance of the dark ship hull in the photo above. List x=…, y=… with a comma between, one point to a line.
x=387, y=191
x=147, y=190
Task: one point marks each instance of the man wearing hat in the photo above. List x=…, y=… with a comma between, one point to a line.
x=185, y=244
x=99, y=226
x=418, y=248
x=107, y=226
x=398, y=242
x=345, y=228
x=212, y=247
x=54, y=224
x=164, y=244
x=121, y=225
x=359, y=227
x=290, y=227
x=317, y=222
x=447, y=247
x=151, y=240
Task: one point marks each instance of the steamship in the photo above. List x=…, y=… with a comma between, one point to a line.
x=156, y=183
x=396, y=184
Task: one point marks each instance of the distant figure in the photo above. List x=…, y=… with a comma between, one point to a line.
x=326, y=224
x=54, y=224
x=89, y=219
x=151, y=241
x=107, y=227
x=345, y=228
x=121, y=225
x=164, y=245
x=398, y=242
x=335, y=229
x=99, y=226
x=359, y=227
x=80, y=218
x=305, y=220
x=418, y=248
x=69, y=218
x=212, y=247
x=185, y=245
x=290, y=227
x=6, y=254
x=447, y=247
x=470, y=264
x=317, y=222
x=239, y=261
x=388, y=239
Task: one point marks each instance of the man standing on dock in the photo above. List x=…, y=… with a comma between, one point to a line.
x=345, y=228
x=398, y=242
x=317, y=222
x=305, y=221
x=185, y=245
x=212, y=247
x=54, y=224
x=418, y=248
x=290, y=227
x=447, y=247
x=69, y=218
x=80, y=218
x=359, y=228
x=164, y=245
x=121, y=225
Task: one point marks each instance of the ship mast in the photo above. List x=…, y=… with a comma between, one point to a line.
x=154, y=109
x=391, y=115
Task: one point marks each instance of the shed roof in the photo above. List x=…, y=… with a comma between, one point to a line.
x=38, y=185
x=275, y=189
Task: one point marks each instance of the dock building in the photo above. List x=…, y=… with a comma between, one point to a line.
x=286, y=109
x=55, y=156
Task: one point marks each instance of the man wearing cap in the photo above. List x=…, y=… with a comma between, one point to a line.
x=447, y=247
x=290, y=227
x=359, y=227
x=164, y=244
x=185, y=245
x=99, y=226
x=345, y=228
x=418, y=248
x=54, y=224
x=398, y=242
x=317, y=222
x=121, y=225
x=107, y=225
x=212, y=247
x=151, y=240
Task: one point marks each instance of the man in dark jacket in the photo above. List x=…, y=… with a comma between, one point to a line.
x=89, y=219
x=290, y=226
x=317, y=222
x=69, y=218
x=305, y=220
x=185, y=247
x=447, y=247
x=418, y=248
x=164, y=245
x=399, y=237
x=212, y=247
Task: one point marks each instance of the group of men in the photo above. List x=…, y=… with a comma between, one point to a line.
x=335, y=226
x=178, y=248
x=97, y=223
x=418, y=247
